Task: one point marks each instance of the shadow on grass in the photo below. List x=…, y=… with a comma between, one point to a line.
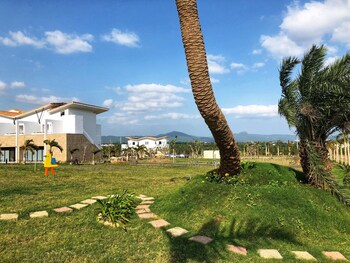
x=252, y=234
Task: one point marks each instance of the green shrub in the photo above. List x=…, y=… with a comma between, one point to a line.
x=117, y=209
x=346, y=180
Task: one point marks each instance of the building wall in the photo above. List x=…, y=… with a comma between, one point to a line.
x=148, y=143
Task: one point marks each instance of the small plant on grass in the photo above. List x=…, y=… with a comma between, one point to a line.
x=117, y=209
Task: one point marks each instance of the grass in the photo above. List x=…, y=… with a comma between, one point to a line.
x=268, y=208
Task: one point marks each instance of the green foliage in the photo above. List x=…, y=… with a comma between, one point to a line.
x=53, y=144
x=346, y=181
x=117, y=209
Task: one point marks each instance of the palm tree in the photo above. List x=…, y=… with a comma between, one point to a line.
x=94, y=152
x=72, y=151
x=202, y=90
x=53, y=144
x=316, y=103
x=28, y=146
x=141, y=150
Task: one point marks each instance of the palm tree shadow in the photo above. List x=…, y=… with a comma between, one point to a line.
x=252, y=234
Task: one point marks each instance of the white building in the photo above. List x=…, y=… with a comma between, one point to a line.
x=72, y=125
x=148, y=142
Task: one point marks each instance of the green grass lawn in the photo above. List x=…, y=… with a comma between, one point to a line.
x=268, y=208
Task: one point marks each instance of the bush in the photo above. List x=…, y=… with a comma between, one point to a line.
x=117, y=209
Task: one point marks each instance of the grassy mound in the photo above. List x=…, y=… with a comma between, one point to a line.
x=268, y=208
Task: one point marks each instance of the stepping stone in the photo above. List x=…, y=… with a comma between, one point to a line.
x=304, y=255
x=88, y=201
x=333, y=255
x=147, y=202
x=147, y=198
x=78, y=206
x=39, y=214
x=237, y=249
x=141, y=196
x=64, y=209
x=269, y=253
x=142, y=211
x=159, y=223
x=10, y=216
x=147, y=215
x=201, y=239
x=99, y=197
x=177, y=231
x=142, y=207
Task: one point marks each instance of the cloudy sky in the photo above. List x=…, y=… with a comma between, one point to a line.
x=128, y=56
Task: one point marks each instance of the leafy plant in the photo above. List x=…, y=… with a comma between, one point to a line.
x=117, y=209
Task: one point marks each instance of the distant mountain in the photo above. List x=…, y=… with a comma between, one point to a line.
x=183, y=137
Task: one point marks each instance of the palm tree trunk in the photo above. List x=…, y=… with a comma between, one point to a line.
x=202, y=90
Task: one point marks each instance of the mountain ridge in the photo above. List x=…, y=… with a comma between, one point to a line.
x=183, y=137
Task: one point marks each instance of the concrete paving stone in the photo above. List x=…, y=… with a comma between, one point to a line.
x=147, y=202
x=237, y=249
x=63, y=209
x=142, y=211
x=334, y=255
x=201, y=239
x=269, y=253
x=9, y=216
x=303, y=255
x=147, y=215
x=39, y=214
x=177, y=231
x=147, y=198
x=78, y=206
x=159, y=223
x=88, y=201
x=142, y=207
x=99, y=197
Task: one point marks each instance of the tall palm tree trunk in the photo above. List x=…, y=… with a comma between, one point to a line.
x=202, y=90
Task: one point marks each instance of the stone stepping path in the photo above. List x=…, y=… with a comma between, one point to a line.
x=303, y=255
x=9, y=216
x=39, y=214
x=269, y=253
x=144, y=212
x=64, y=209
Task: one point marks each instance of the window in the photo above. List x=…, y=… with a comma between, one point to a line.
x=146, y=142
x=21, y=128
x=133, y=143
x=160, y=142
x=62, y=113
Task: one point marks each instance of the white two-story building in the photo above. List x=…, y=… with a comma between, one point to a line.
x=148, y=142
x=72, y=125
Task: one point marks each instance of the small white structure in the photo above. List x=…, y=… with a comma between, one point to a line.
x=148, y=142
x=211, y=154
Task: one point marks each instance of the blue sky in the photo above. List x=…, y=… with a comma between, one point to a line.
x=127, y=55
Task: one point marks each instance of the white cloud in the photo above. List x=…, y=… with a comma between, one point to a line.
x=216, y=64
x=17, y=84
x=122, y=119
x=315, y=22
x=173, y=116
x=280, y=46
x=128, y=39
x=107, y=103
x=330, y=60
x=58, y=41
x=42, y=100
x=258, y=65
x=252, y=111
x=63, y=43
x=214, y=80
x=156, y=88
x=239, y=68
x=256, y=51
x=3, y=86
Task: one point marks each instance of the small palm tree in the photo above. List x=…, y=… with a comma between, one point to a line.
x=53, y=144
x=317, y=103
x=28, y=146
x=72, y=151
x=94, y=152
